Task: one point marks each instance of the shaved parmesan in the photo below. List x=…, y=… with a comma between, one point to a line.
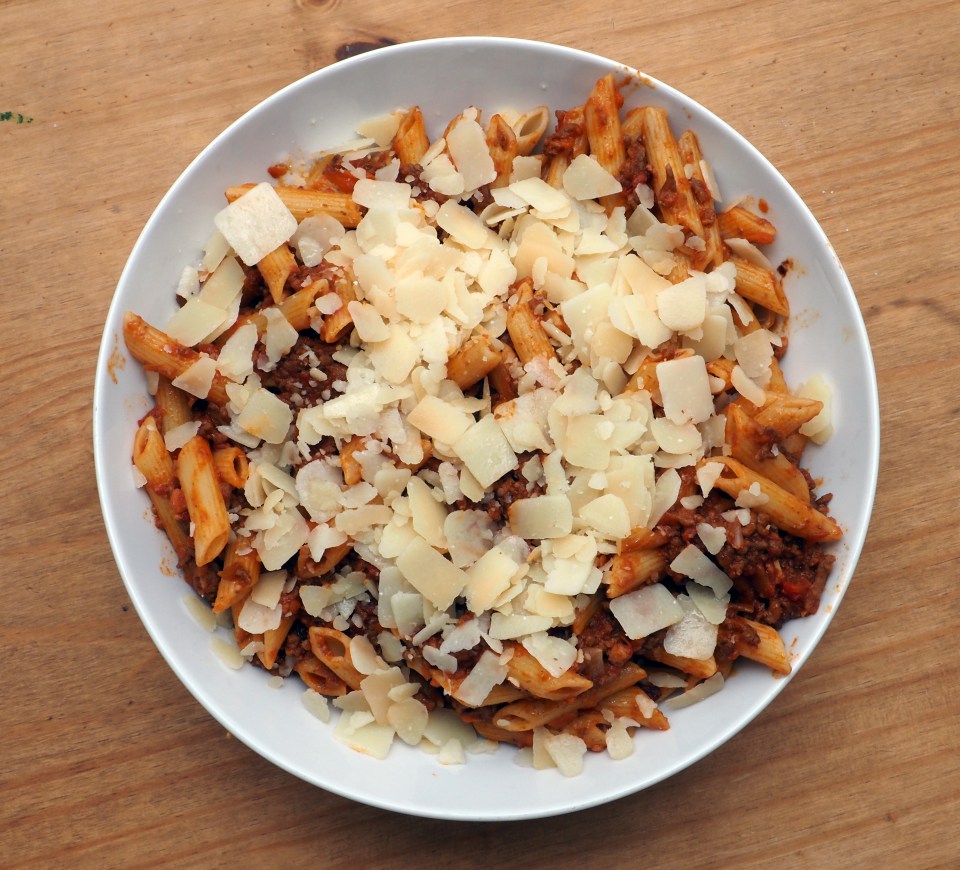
x=714, y=537
x=485, y=674
x=256, y=618
x=198, y=378
x=685, y=389
x=227, y=652
x=436, y=578
x=268, y=588
x=708, y=474
x=744, y=385
x=567, y=752
x=317, y=704
x=682, y=307
x=194, y=322
x=713, y=608
x=693, y=637
x=266, y=416
x=235, y=360
x=201, y=612
x=256, y=223
x=692, y=563
x=585, y=178
x=820, y=427
x=708, y=687
x=665, y=495
x=440, y=420
x=618, y=740
x=554, y=653
x=608, y=515
x=545, y=516
x=675, y=439
x=488, y=578
x=428, y=514
x=504, y=627
x=646, y=610
x=467, y=144
x=409, y=718
x=485, y=451
x=180, y=435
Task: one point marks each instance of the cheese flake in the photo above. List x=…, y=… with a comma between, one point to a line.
x=485, y=451
x=544, y=516
x=585, y=178
x=691, y=562
x=194, y=322
x=467, y=144
x=685, y=389
x=436, y=578
x=646, y=610
x=265, y=416
x=180, y=435
x=256, y=223
x=198, y=378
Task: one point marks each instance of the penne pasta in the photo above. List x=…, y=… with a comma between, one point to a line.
x=760, y=285
x=769, y=651
x=532, y=677
x=473, y=362
x=273, y=640
x=307, y=568
x=692, y=157
x=750, y=445
x=529, y=129
x=503, y=147
x=784, y=509
x=241, y=571
x=201, y=489
x=276, y=268
x=741, y=223
x=158, y=352
x=319, y=677
x=304, y=202
x=150, y=456
x=671, y=186
x=232, y=465
x=602, y=125
x=410, y=142
x=173, y=405
x=630, y=570
x=332, y=649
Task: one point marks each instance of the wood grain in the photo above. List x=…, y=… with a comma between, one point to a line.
x=108, y=762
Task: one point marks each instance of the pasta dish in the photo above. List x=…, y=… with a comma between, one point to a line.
x=485, y=437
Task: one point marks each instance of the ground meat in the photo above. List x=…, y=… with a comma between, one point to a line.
x=305, y=275
x=297, y=644
x=776, y=576
x=635, y=171
x=704, y=200
x=203, y=578
x=567, y=135
x=667, y=197
x=211, y=416
x=510, y=488
x=253, y=285
x=604, y=644
x=292, y=375
x=411, y=173
x=366, y=612
x=731, y=635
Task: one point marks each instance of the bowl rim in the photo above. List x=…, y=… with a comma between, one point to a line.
x=854, y=546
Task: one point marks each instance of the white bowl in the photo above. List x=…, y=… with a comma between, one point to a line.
x=318, y=111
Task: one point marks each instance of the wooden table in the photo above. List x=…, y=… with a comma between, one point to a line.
x=107, y=761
